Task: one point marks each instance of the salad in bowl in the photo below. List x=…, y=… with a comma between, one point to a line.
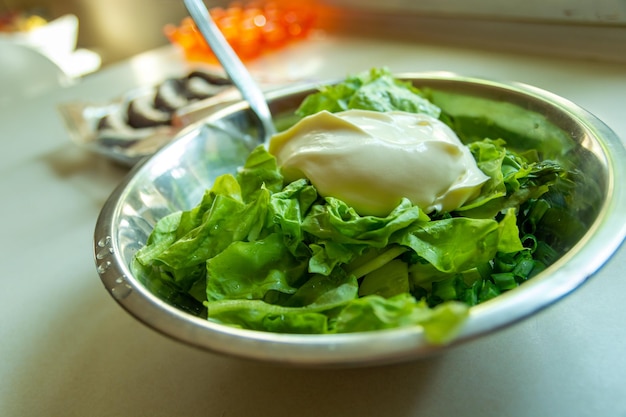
x=390, y=214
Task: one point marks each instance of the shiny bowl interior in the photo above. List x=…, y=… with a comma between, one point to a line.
x=176, y=177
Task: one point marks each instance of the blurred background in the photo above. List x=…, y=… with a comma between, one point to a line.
x=117, y=29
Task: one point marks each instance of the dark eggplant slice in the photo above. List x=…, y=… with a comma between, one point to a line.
x=171, y=95
x=210, y=77
x=142, y=113
x=197, y=88
x=113, y=121
x=157, y=109
x=106, y=123
x=113, y=130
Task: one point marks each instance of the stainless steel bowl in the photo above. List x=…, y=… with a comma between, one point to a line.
x=175, y=179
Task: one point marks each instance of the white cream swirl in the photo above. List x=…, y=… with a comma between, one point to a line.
x=371, y=160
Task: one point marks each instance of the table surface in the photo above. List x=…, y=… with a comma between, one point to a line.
x=69, y=350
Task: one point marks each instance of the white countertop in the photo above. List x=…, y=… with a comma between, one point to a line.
x=68, y=349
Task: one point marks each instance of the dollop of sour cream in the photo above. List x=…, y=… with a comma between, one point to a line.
x=372, y=160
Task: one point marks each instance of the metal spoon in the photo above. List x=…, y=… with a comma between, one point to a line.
x=233, y=66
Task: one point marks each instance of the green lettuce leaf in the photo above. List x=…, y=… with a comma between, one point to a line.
x=307, y=310
x=336, y=221
x=249, y=270
x=262, y=316
x=259, y=171
x=375, y=90
x=453, y=245
x=228, y=220
x=288, y=209
x=374, y=312
x=339, y=235
x=513, y=178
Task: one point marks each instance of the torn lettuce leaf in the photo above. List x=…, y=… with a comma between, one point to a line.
x=375, y=90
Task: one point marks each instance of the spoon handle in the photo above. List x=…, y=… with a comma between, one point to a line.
x=231, y=63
